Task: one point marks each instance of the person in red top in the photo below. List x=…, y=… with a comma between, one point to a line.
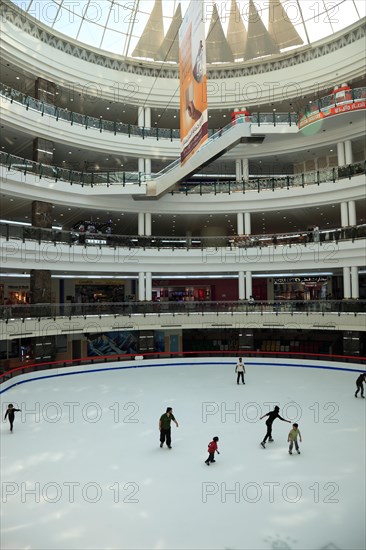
x=212, y=447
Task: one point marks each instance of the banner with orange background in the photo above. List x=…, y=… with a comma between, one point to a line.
x=193, y=81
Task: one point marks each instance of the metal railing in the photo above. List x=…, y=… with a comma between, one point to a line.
x=73, y=237
x=117, y=127
x=349, y=96
x=107, y=179
x=128, y=309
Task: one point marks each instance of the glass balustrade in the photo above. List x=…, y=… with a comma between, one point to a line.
x=264, y=183
x=293, y=307
x=85, y=238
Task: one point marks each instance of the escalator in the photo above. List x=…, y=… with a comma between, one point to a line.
x=217, y=145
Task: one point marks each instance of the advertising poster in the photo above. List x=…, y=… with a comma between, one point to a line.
x=193, y=81
x=332, y=111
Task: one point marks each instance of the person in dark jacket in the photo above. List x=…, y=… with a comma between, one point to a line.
x=10, y=412
x=359, y=384
x=164, y=427
x=271, y=418
x=212, y=448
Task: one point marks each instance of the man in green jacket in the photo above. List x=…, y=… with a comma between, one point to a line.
x=164, y=427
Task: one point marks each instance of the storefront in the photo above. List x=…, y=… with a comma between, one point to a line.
x=102, y=291
x=301, y=288
x=15, y=294
x=190, y=293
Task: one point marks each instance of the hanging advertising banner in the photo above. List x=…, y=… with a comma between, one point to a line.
x=193, y=81
x=332, y=111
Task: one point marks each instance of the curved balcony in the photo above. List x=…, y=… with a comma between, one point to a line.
x=117, y=127
x=123, y=179
x=132, y=242
x=26, y=321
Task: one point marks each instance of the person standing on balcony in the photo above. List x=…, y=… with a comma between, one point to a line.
x=240, y=369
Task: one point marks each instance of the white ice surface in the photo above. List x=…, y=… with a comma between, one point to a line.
x=169, y=499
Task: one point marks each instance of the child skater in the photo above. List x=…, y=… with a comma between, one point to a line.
x=359, y=384
x=271, y=418
x=292, y=438
x=10, y=412
x=212, y=447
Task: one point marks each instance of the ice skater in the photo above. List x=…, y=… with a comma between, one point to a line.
x=240, y=369
x=271, y=418
x=164, y=427
x=359, y=384
x=10, y=412
x=292, y=438
x=212, y=448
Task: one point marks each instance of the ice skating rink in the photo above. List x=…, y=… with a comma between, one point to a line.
x=83, y=468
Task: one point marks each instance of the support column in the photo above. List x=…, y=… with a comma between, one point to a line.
x=245, y=169
x=238, y=174
x=189, y=238
x=148, y=167
x=141, y=166
x=148, y=287
x=41, y=285
x=247, y=223
x=141, y=117
x=45, y=90
x=352, y=213
x=248, y=284
x=148, y=224
x=40, y=279
x=141, y=292
x=141, y=224
x=241, y=285
x=344, y=214
x=346, y=283
x=341, y=154
x=43, y=151
x=240, y=223
x=348, y=152
x=355, y=282
x=147, y=117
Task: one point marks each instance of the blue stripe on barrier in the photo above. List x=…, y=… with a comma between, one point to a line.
x=326, y=367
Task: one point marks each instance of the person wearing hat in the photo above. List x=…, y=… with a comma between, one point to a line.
x=164, y=427
x=271, y=418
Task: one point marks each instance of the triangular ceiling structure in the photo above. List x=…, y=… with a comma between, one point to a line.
x=236, y=32
x=152, y=35
x=169, y=49
x=280, y=27
x=259, y=42
x=217, y=48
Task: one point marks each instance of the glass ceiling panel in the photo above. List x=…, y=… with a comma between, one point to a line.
x=361, y=7
x=66, y=24
x=117, y=25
